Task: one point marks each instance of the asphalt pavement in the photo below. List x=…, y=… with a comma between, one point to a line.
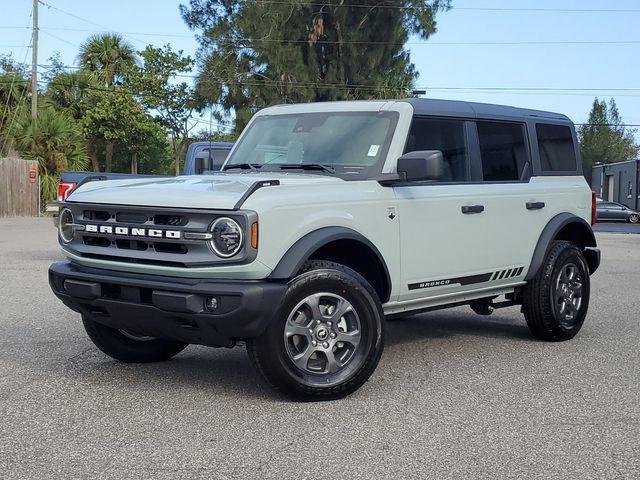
x=617, y=227
x=456, y=395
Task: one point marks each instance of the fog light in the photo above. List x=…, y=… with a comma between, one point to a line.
x=211, y=303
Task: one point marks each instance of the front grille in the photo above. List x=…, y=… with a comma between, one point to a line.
x=126, y=217
x=154, y=236
x=172, y=220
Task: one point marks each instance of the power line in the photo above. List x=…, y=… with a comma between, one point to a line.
x=19, y=99
x=425, y=87
x=373, y=42
x=486, y=89
x=73, y=15
x=619, y=92
x=82, y=19
x=49, y=34
x=470, y=9
x=607, y=125
x=356, y=42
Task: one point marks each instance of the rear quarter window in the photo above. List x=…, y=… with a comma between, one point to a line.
x=557, y=150
x=503, y=150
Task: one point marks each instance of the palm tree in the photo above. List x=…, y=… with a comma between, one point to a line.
x=74, y=93
x=13, y=95
x=111, y=57
x=57, y=143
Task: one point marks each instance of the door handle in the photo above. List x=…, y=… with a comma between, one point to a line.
x=535, y=205
x=472, y=209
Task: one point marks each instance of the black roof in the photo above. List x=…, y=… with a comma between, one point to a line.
x=428, y=106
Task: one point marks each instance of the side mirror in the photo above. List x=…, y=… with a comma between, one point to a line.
x=421, y=165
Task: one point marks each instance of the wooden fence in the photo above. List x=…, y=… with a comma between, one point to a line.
x=19, y=188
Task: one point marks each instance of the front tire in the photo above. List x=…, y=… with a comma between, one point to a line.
x=634, y=218
x=327, y=337
x=128, y=347
x=556, y=300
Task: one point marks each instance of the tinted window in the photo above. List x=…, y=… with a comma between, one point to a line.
x=503, y=150
x=557, y=153
x=448, y=136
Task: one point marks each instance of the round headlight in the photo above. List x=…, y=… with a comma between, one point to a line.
x=227, y=237
x=65, y=225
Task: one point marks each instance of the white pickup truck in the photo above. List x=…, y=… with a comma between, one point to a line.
x=326, y=220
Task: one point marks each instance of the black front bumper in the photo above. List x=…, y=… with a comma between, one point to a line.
x=168, y=307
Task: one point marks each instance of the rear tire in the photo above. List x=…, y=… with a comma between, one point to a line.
x=634, y=218
x=556, y=300
x=327, y=337
x=130, y=348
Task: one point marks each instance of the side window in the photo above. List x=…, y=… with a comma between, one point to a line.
x=557, y=152
x=448, y=136
x=503, y=150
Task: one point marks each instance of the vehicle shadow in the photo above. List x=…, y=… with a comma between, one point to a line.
x=456, y=322
x=228, y=372
x=200, y=369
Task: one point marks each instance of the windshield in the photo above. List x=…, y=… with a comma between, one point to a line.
x=353, y=144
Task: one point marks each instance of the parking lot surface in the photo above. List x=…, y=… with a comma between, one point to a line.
x=456, y=395
x=617, y=227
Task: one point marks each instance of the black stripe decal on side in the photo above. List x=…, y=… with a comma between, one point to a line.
x=519, y=271
x=495, y=275
x=509, y=273
x=502, y=274
x=468, y=280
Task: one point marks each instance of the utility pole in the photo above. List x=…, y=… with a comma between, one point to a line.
x=34, y=64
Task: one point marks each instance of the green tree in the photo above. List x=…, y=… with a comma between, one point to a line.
x=14, y=90
x=118, y=118
x=605, y=139
x=109, y=55
x=253, y=54
x=56, y=142
x=74, y=93
x=173, y=103
x=112, y=59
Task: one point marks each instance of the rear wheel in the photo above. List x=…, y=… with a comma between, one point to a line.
x=555, y=302
x=327, y=337
x=129, y=347
x=634, y=218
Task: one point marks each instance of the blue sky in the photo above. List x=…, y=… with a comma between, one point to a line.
x=474, y=66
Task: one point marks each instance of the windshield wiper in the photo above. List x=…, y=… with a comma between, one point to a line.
x=242, y=166
x=307, y=166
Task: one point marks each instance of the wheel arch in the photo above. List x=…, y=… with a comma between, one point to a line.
x=342, y=245
x=565, y=226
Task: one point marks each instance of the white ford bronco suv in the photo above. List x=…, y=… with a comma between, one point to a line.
x=325, y=220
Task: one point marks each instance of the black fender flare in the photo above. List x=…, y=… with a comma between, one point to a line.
x=550, y=232
x=300, y=251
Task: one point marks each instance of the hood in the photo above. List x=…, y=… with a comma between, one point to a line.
x=220, y=191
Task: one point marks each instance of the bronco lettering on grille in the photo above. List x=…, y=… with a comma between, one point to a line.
x=133, y=232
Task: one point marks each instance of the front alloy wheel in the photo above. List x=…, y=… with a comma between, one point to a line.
x=327, y=336
x=322, y=335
